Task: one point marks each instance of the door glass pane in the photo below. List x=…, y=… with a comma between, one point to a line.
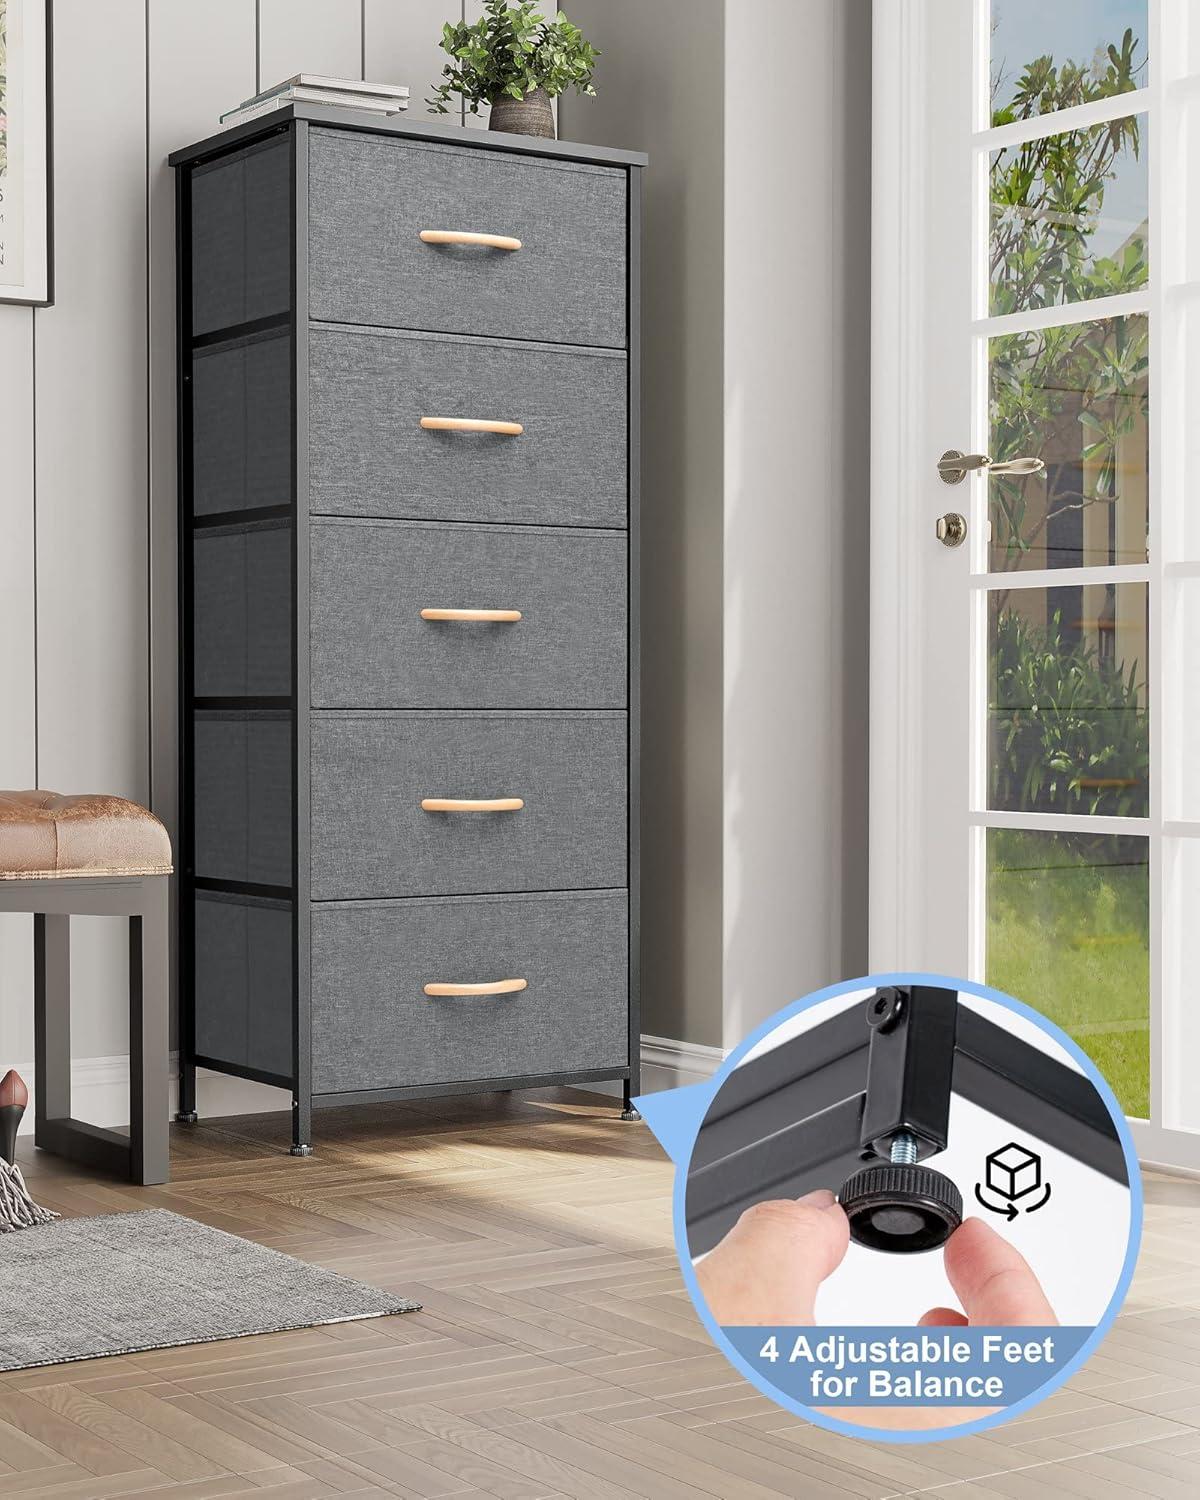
x=1067, y=932
x=1053, y=54
x=1068, y=721
x=1068, y=217
x=1078, y=398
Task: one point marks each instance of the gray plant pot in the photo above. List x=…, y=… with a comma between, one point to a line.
x=529, y=116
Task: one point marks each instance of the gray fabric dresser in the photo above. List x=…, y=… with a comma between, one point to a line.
x=408, y=464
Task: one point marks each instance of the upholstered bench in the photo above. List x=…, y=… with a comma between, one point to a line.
x=93, y=856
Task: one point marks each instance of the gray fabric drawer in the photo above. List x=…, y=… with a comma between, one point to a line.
x=374, y=1027
x=243, y=795
x=242, y=425
x=243, y=968
x=370, y=772
x=241, y=236
x=242, y=611
x=372, y=649
x=369, y=456
x=369, y=199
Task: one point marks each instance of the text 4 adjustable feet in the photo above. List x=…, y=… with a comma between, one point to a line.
x=896, y=1204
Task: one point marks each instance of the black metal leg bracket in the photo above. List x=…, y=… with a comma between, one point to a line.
x=895, y=1204
x=870, y=1089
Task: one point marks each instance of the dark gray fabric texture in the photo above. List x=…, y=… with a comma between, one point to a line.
x=241, y=237
x=242, y=611
x=243, y=796
x=368, y=455
x=370, y=772
x=374, y=1027
x=370, y=197
x=84, y=1288
x=242, y=425
x=243, y=979
x=372, y=649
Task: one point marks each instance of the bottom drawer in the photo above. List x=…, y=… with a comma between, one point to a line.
x=243, y=982
x=373, y=1025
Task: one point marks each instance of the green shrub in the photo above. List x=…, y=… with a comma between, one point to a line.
x=512, y=50
x=1063, y=719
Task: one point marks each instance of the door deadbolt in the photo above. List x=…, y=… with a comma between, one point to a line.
x=952, y=529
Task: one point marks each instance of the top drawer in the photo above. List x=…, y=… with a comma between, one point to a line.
x=370, y=197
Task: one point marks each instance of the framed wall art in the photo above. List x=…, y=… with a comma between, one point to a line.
x=26, y=272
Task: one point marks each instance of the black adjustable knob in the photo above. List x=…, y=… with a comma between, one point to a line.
x=901, y=1208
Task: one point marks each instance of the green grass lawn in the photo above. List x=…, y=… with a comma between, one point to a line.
x=1067, y=933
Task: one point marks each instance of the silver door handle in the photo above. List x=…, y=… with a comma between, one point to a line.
x=953, y=466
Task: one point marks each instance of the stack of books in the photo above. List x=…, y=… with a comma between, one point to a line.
x=311, y=88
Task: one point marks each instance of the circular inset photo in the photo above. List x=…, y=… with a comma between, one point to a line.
x=912, y=1204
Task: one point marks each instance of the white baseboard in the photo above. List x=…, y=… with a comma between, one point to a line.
x=668, y=1064
x=100, y=1085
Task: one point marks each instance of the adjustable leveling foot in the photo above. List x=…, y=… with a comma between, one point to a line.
x=895, y=1204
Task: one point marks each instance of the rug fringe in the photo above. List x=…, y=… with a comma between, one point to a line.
x=17, y=1208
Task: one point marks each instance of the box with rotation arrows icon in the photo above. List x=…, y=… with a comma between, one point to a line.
x=1013, y=1171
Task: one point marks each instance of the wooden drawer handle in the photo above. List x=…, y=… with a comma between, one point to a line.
x=504, y=616
x=472, y=805
x=497, y=987
x=469, y=237
x=471, y=424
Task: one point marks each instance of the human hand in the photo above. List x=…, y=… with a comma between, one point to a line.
x=769, y=1266
x=994, y=1282
x=997, y=1288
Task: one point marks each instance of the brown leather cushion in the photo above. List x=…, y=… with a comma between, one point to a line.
x=44, y=835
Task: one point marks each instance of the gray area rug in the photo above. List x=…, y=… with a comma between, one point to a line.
x=83, y=1288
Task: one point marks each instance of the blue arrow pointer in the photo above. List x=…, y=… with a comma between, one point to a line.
x=674, y=1115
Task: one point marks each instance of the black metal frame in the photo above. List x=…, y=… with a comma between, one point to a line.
x=302, y=1098
x=185, y=867
x=809, y=1113
x=294, y=120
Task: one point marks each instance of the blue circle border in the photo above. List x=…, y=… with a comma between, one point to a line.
x=995, y=1419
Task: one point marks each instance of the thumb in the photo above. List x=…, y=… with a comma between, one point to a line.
x=769, y=1266
x=993, y=1280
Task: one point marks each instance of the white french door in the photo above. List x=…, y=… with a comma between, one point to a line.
x=1035, y=791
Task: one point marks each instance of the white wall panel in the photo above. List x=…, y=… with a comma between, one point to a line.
x=795, y=517
x=91, y=393
x=472, y=10
x=18, y=744
x=309, y=36
x=400, y=45
x=755, y=550
x=655, y=96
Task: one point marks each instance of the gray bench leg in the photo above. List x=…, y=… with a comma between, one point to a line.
x=51, y=1021
x=148, y=1040
x=143, y=1155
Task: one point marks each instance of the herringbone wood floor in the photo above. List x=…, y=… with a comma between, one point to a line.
x=557, y=1354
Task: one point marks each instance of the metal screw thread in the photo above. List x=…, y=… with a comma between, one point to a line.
x=904, y=1150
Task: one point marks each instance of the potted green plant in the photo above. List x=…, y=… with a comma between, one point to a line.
x=516, y=60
